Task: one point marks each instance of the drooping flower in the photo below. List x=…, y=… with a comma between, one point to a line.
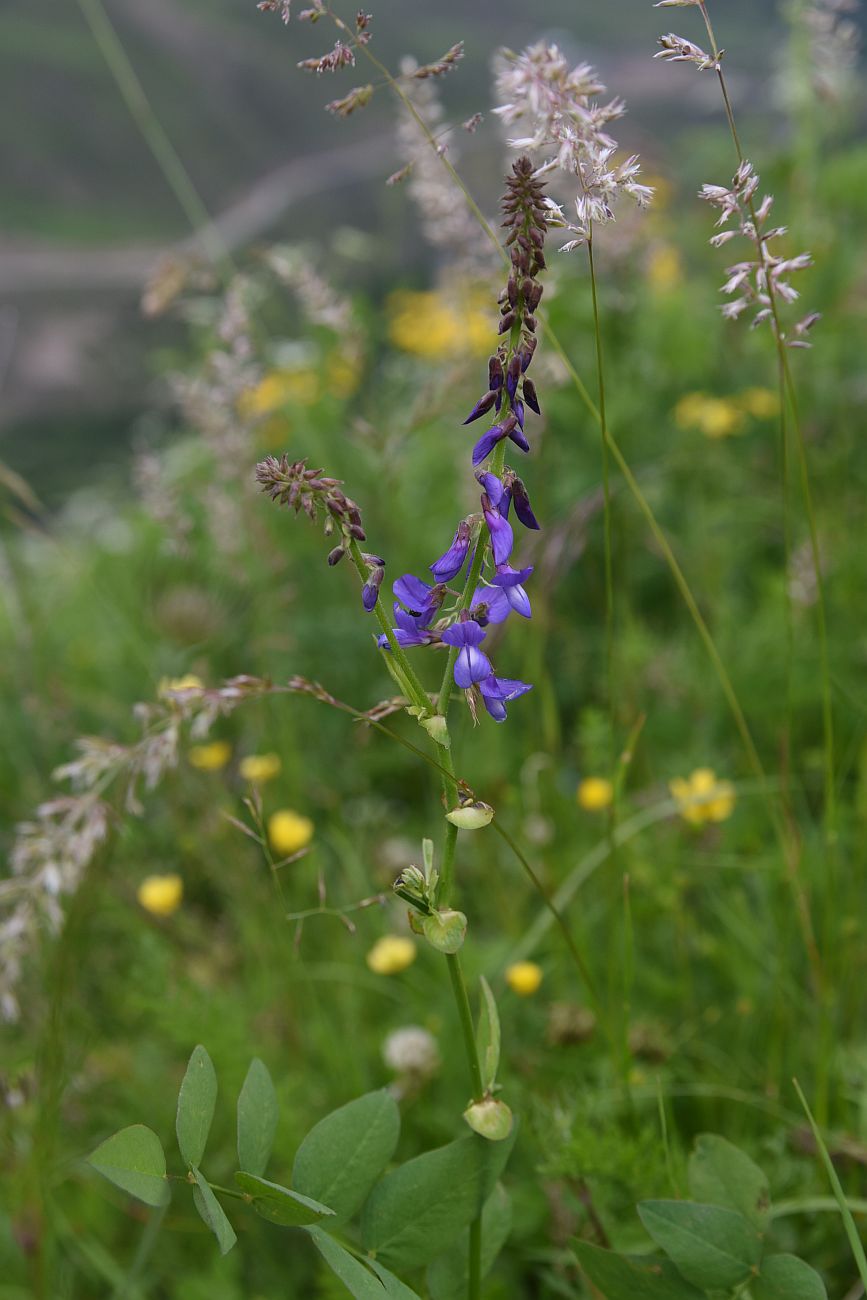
x=161, y=895
x=497, y=691
x=449, y=564
x=471, y=665
x=500, y=530
x=289, y=831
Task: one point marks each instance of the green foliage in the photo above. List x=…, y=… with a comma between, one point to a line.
x=358, y=1280
x=785, y=1277
x=417, y=1211
x=342, y=1156
x=197, y=1101
x=723, y=1175
x=488, y=1036
x=257, y=1119
x=281, y=1204
x=448, y=1274
x=212, y=1213
x=711, y=1246
x=133, y=1160
x=633, y=1277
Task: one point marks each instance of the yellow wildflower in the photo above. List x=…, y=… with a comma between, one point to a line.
x=281, y=388
x=524, y=978
x=432, y=326
x=594, y=793
x=664, y=268
x=761, y=403
x=189, y=682
x=160, y=895
x=391, y=954
x=212, y=757
x=260, y=767
x=289, y=831
x=715, y=417
x=702, y=798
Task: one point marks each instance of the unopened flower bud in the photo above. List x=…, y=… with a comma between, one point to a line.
x=335, y=556
x=529, y=394
x=445, y=930
x=471, y=816
x=490, y=1118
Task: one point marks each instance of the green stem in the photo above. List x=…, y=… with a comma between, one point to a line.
x=465, y=1015
x=167, y=157
x=414, y=689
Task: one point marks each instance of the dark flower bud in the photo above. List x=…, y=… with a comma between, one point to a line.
x=335, y=556
x=356, y=531
x=530, y=324
x=370, y=590
x=495, y=373
x=512, y=375
x=528, y=347
x=520, y=259
x=539, y=263
x=524, y=242
x=522, y=505
x=519, y=412
x=537, y=236
x=532, y=294
x=529, y=393
x=482, y=405
x=507, y=322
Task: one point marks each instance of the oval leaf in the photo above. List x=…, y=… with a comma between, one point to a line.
x=417, y=1212
x=257, y=1119
x=280, y=1204
x=633, y=1277
x=721, y=1174
x=133, y=1160
x=196, y=1101
x=713, y=1247
x=212, y=1213
x=785, y=1277
x=343, y=1155
x=357, y=1279
x=488, y=1036
x=448, y=1276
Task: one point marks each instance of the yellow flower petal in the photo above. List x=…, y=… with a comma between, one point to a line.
x=161, y=895
x=595, y=793
x=212, y=757
x=289, y=831
x=260, y=767
x=391, y=954
x=524, y=978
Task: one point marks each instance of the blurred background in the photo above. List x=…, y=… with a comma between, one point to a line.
x=86, y=212
x=350, y=320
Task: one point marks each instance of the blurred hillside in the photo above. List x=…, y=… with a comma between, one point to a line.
x=85, y=211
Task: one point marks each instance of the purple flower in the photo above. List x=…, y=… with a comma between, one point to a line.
x=502, y=538
x=519, y=412
x=496, y=691
x=471, y=665
x=487, y=443
x=495, y=489
x=523, y=508
x=450, y=564
x=490, y=605
x=421, y=600
x=482, y=405
x=510, y=581
x=530, y=397
x=370, y=590
x=517, y=436
x=512, y=375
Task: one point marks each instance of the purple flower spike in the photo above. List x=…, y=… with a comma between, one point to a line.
x=482, y=405
x=471, y=665
x=449, y=565
x=487, y=443
x=502, y=537
x=523, y=508
x=494, y=488
x=496, y=691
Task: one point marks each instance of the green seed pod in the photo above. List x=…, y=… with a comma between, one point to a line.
x=445, y=930
x=471, y=816
x=489, y=1118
